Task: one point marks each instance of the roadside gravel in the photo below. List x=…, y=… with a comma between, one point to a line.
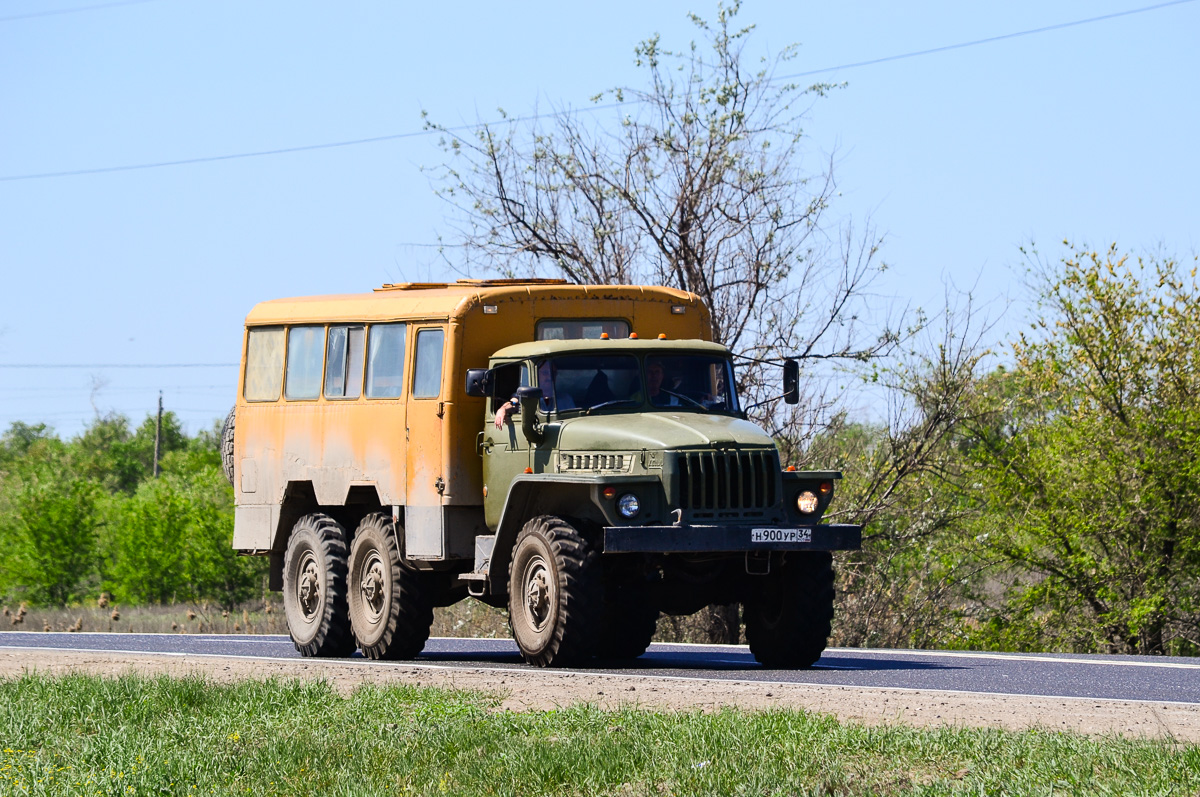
x=525, y=690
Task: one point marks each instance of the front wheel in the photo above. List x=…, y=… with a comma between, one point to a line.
x=789, y=612
x=390, y=610
x=554, y=594
x=314, y=587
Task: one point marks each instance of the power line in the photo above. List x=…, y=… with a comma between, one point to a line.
x=533, y=117
x=988, y=40
x=283, y=150
x=75, y=10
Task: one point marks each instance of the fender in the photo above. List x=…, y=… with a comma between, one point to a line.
x=575, y=496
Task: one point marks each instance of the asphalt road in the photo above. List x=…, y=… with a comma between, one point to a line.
x=1050, y=675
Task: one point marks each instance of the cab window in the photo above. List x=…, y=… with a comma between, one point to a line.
x=264, y=364
x=306, y=347
x=344, y=362
x=508, y=378
x=385, y=360
x=427, y=370
x=582, y=328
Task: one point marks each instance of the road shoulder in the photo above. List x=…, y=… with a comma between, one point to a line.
x=538, y=690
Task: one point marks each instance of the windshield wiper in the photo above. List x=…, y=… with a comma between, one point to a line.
x=611, y=403
x=688, y=399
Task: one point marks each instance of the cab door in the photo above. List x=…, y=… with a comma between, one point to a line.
x=423, y=517
x=505, y=451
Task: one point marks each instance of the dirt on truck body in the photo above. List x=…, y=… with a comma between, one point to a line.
x=577, y=454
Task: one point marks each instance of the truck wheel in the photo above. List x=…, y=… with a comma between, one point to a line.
x=554, y=594
x=227, y=446
x=630, y=620
x=789, y=612
x=314, y=587
x=390, y=610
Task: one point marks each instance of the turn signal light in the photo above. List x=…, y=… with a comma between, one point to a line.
x=610, y=492
x=826, y=488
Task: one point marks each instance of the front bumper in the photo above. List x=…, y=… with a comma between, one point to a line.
x=732, y=539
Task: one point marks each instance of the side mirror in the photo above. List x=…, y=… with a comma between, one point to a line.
x=530, y=397
x=791, y=382
x=480, y=383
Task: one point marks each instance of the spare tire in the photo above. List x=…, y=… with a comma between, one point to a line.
x=227, y=446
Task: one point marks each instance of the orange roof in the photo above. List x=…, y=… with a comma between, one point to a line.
x=445, y=300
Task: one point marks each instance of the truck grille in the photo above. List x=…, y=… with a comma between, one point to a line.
x=733, y=480
x=616, y=462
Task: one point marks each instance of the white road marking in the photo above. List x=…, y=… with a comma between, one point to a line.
x=872, y=652
x=592, y=674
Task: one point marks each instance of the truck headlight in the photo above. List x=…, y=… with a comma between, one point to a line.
x=628, y=505
x=806, y=502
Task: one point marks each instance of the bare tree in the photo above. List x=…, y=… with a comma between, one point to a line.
x=702, y=180
x=910, y=486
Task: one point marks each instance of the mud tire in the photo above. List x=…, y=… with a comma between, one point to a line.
x=390, y=607
x=789, y=612
x=555, y=594
x=314, y=588
x=227, y=446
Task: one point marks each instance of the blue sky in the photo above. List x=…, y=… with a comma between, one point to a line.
x=959, y=157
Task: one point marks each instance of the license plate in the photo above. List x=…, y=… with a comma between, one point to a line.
x=781, y=535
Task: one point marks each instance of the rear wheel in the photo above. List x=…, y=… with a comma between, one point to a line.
x=554, y=595
x=314, y=587
x=227, y=445
x=789, y=612
x=390, y=610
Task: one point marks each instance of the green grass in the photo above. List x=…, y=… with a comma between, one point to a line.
x=149, y=736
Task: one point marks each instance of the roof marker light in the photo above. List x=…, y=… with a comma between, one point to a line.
x=633, y=336
x=490, y=309
x=678, y=309
x=603, y=336
x=662, y=335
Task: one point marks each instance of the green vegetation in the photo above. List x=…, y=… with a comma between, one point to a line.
x=1052, y=503
x=85, y=516
x=1049, y=504
x=132, y=735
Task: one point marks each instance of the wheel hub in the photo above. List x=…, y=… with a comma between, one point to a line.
x=309, y=588
x=372, y=587
x=537, y=594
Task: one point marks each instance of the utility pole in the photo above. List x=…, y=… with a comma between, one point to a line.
x=157, y=434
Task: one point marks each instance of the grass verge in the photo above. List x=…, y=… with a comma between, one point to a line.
x=467, y=618
x=138, y=735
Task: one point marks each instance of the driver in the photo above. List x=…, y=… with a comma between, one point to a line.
x=656, y=374
x=546, y=371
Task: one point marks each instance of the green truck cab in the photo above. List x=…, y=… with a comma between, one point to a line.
x=622, y=479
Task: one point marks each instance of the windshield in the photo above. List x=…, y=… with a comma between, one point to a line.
x=695, y=381
x=684, y=381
